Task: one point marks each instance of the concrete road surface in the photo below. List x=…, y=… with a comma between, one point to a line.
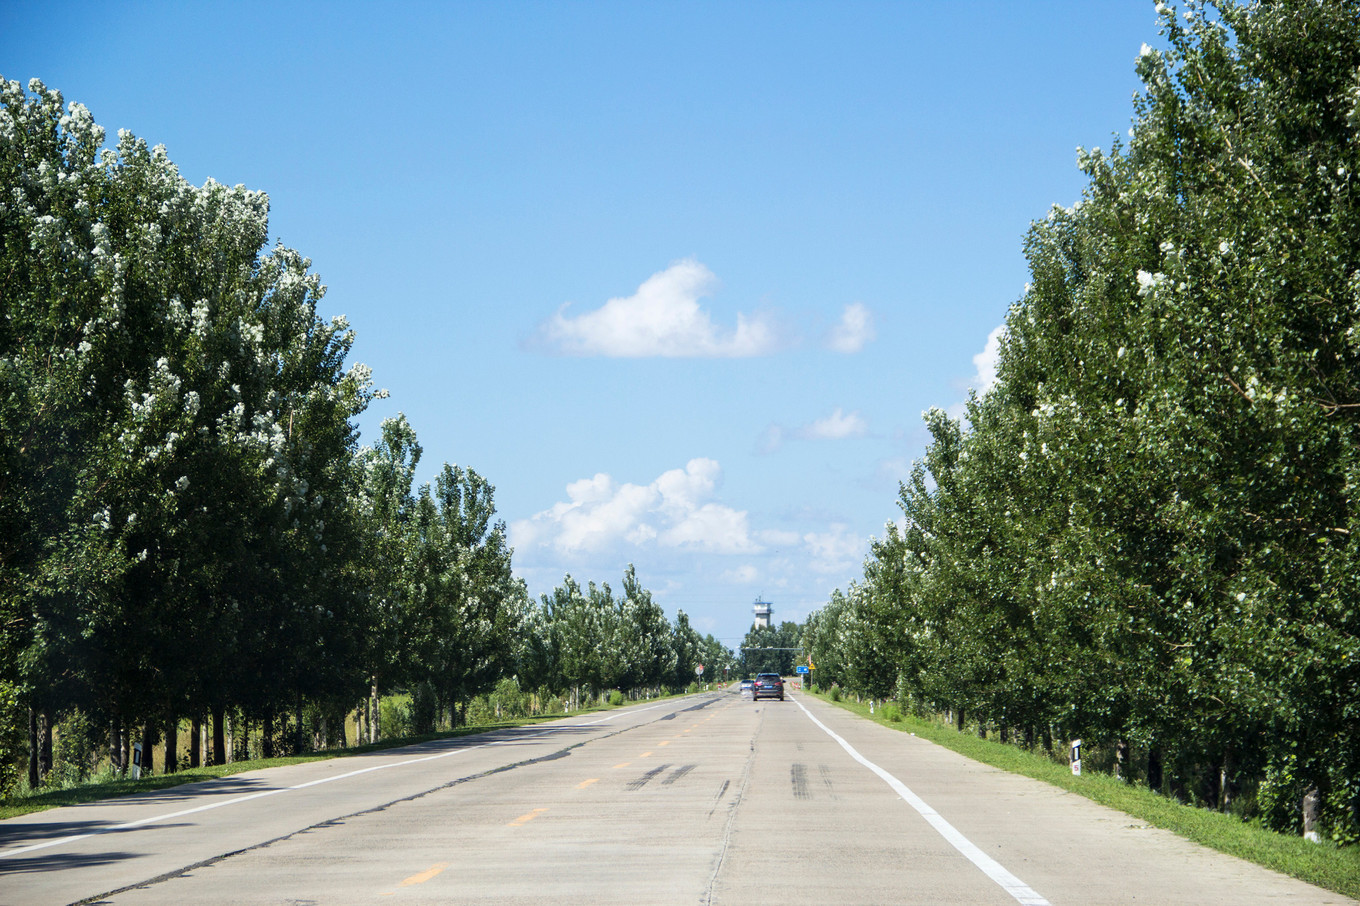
x=708, y=799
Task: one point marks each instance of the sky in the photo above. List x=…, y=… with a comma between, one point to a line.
x=678, y=278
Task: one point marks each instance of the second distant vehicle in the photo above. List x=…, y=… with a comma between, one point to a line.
x=768, y=685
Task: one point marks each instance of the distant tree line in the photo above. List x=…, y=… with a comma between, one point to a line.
x=1147, y=533
x=189, y=529
x=772, y=649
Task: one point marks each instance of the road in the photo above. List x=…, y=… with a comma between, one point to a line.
x=706, y=799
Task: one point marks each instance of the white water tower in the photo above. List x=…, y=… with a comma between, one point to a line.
x=763, y=610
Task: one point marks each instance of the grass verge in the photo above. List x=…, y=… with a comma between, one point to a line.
x=1334, y=868
x=96, y=790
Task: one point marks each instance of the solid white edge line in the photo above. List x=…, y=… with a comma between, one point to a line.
x=212, y=805
x=1022, y=892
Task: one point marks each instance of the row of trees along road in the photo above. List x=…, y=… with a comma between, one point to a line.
x=189, y=528
x=1147, y=533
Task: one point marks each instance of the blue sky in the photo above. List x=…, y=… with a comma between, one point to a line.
x=678, y=278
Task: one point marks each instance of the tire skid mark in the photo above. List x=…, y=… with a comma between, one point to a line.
x=798, y=780
x=722, y=791
x=640, y=782
x=825, y=771
x=677, y=774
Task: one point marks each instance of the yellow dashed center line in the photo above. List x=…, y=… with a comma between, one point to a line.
x=424, y=875
x=585, y=783
x=645, y=755
x=623, y=764
x=525, y=819
x=664, y=742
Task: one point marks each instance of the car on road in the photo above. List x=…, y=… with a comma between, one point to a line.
x=768, y=685
x=748, y=687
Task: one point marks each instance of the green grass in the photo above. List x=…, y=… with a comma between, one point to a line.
x=1336, y=869
x=97, y=789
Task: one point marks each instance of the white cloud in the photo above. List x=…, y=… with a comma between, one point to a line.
x=662, y=319
x=987, y=360
x=839, y=425
x=835, y=551
x=745, y=574
x=674, y=511
x=835, y=426
x=856, y=328
x=777, y=538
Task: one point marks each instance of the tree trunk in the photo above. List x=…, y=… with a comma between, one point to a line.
x=196, y=742
x=148, y=743
x=959, y=720
x=45, y=746
x=374, y=713
x=125, y=736
x=219, y=731
x=299, y=745
x=116, y=745
x=1225, y=798
x=33, y=749
x=172, y=745
x=1154, y=774
x=1312, y=805
x=267, y=733
x=1121, y=759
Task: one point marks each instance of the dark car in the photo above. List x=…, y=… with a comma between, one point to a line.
x=768, y=685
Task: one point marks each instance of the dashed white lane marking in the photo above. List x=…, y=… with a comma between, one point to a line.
x=141, y=822
x=1022, y=892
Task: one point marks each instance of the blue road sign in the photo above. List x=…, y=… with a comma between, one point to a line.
x=801, y=668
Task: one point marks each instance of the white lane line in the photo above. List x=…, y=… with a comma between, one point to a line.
x=1022, y=892
x=301, y=786
x=141, y=822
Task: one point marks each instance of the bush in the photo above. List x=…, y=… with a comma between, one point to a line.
x=892, y=713
x=508, y=701
x=13, y=740
x=616, y=698
x=395, y=714
x=73, y=751
x=1278, y=797
x=834, y=693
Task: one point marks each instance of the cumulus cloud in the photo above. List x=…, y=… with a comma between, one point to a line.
x=836, y=426
x=856, y=328
x=662, y=319
x=674, y=511
x=834, y=551
x=987, y=360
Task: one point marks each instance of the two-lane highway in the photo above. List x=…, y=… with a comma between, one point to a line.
x=704, y=799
